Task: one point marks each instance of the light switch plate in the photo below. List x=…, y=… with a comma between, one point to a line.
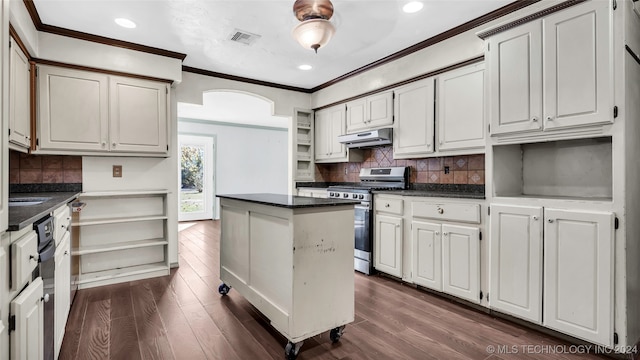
x=117, y=170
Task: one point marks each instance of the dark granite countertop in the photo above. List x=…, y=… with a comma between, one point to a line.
x=288, y=201
x=462, y=191
x=21, y=216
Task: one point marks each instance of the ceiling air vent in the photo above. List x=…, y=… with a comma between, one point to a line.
x=243, y=37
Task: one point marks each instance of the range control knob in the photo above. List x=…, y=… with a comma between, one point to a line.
x=330, y=194
x=355, y=196
x=361, y=196
x=345, y=195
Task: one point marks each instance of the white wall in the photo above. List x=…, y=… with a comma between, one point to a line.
x=248, y=159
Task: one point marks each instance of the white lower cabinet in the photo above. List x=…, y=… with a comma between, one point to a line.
x=388, y=245
x=427, y=254
x=578, y=274
x=461, y=261
x=576, y=265
x=516, y=261
x=27, y=340
x=62, y=282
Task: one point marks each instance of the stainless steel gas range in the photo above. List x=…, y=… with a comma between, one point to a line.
x=390, y=178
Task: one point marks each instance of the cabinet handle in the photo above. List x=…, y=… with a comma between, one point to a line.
x=550, y=221
x=534, y=119
x=440, y=210
x=549, y=118
x=535, y=218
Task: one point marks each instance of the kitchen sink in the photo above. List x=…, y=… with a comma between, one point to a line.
x=27, y=201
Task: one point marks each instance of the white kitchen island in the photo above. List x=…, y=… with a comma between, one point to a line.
x=292, y=258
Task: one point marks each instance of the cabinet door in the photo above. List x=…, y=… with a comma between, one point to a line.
x=62, y=279
x=138, y=115
x=388, y=245
x=427, y=254
x=321, y=134
x=24, y=253
x=577, y=62
x=337, y=127
x=578, y=274
x=516, y=260
x=461, y=262
x=27, y=341
x=414, y=120
x=73, y=111
x=356, y=115
x=461, y=109
x=19, y=97
x=515, y=84
x=380, y=110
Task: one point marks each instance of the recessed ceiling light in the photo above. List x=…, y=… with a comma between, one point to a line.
x=126, y=23
x=305, y=67
x=413, y=6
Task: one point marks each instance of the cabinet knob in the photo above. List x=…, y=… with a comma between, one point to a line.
x=534, y=119
x=104, y=143
x=535, y=218
x=113, y=145
x=445, y=233
x=45, y=298
x=549, y=118
x=33, y=257
x=550, y=221
x=66, y=253
x=387, y=205
x=440, y=210
x=437, y=232
x=397, y=225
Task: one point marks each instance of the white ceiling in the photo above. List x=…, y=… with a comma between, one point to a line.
x=366, y=31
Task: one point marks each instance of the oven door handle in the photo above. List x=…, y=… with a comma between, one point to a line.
x=362, y=207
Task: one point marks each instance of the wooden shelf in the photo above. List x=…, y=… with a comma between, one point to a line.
x=124, y=193
x=111, y=274
x=119, y=246
x=118, y=220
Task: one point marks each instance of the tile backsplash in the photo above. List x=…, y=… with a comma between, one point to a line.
x=44, y=169
x=463, y=169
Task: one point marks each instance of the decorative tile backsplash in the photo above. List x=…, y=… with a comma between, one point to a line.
x=463, y=169
x=44, y=169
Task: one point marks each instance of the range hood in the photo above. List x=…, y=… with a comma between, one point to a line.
x=371, y=138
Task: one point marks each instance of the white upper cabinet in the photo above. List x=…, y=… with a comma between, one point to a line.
x=138, y=115
x=515, y=81
x=73, y=112
x=84, y=112
x=577, y=66
x=370, y=112
x=329, y=124
x=578, y=274
x=461, y=109
x=552, y=73
x=19, y=97
x=414, y=120
x=516, y=260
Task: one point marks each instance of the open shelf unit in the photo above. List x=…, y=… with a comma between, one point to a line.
x=121, y=236
x=303, y=150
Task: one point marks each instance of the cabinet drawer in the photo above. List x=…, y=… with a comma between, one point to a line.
x=451, y=212
x=388, y=205
x=61, y=222
x=24, y=260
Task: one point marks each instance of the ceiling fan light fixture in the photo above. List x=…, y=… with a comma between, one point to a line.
x=314, y=33
x=315, y=30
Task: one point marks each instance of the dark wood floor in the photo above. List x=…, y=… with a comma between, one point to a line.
x=182, y=316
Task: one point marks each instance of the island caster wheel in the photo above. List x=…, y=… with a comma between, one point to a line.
x=223, y=289
x=336, y=333
x=292, y=350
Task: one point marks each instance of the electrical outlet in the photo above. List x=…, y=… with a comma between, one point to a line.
x=117, y=170
x=446, y=169
x=345, y=171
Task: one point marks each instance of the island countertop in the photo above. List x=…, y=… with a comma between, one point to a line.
x=288, y=201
